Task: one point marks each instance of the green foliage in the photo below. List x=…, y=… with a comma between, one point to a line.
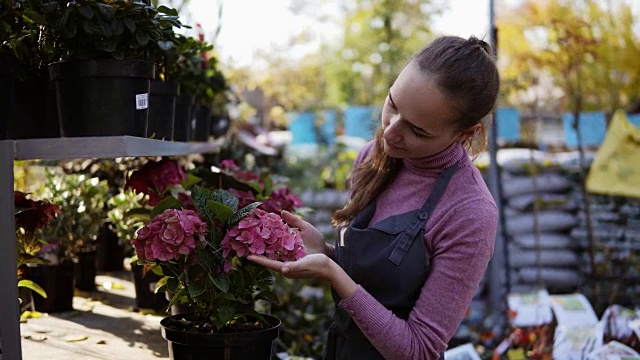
x=328, y=170
x=82, y=202
x=217, y=297
x=586, y=53
x=108, y=29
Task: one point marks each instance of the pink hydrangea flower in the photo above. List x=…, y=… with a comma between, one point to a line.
x=262, y=233
x=280, y=199
x=170, y=235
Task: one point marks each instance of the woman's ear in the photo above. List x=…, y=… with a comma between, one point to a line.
x=468, y=133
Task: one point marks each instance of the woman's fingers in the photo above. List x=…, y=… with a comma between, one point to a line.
x=291, y=220
x=268, y=263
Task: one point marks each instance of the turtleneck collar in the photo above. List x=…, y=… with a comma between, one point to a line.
x=433, y=164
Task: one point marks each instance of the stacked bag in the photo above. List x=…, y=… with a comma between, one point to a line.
x=539, y=210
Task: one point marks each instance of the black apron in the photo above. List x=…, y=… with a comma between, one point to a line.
x=388, y=259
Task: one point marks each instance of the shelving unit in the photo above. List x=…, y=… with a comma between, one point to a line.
x=57, y=149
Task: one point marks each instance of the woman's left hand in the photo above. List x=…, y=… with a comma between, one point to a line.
x=317, y=266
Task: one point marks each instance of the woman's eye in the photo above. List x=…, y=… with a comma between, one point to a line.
x=418, y=133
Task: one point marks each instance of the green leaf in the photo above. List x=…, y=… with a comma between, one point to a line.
x=196, y=289
x=221, y=281
x=216, y=210
x=173, y=284
x=34, y=16
x=157, y=270
x=108, y=11
x=227, y=198
x=86, y=11
x=33, y=286
x=200, y=197
x=226, y=312
x=166, y=10
x=268, y=295
x=242, y=213
x=161, y=285
x=142, y=37
x=117, y=27
x=167, y=203
x=130, y=24
x=191, y=179
x=177, y=296
x=91, y=28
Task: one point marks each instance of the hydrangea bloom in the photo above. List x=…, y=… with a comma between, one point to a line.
x=154, y=178
x=170, y=235
x=280, y=199
x=262, y=233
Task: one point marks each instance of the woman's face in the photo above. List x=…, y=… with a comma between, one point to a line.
x=417, y=118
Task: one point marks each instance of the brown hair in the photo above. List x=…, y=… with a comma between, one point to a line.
x=465, y=70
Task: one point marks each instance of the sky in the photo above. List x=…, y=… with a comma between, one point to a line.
x=250, y=25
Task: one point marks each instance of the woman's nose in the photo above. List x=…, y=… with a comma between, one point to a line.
x=391, y=132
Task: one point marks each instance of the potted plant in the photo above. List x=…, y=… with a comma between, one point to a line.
x=30, y=217
x=26, y=52
x=199, y=240
x=71, y=236
x=103, y=77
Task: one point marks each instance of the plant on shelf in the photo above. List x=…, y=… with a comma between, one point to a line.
x=200, y=242
x=82, y=213
x=31, y=216
x=105, y=60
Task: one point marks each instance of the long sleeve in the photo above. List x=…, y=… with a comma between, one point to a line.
x=462, y=243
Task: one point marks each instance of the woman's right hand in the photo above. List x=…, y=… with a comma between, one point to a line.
x=311, y=237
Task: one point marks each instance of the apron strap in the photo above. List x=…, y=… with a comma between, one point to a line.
x=408, y=236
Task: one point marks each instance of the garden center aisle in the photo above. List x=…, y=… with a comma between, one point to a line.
x=103, y=325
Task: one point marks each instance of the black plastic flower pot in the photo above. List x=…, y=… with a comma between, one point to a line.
x=183, y=116
x=145, y=284
x=85, y=271
x=6, y=67
x=57, y=282
x=202, y=126
x=162, y=107
x=110, y=252
x=103, y=97
x=255, y=345
x=33, y=109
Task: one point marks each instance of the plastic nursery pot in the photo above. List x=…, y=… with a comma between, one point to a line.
x=110, y=252
x=202, y=123
x=85, y=271
x=103, y=97
x=6, y=66
x=162, y=107
x=255, y=344
x=145, y=285
x=57, y=282
x=33, y=111
x=183, y=115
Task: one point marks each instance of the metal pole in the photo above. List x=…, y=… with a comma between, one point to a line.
x=498, y=268
x=9, y=308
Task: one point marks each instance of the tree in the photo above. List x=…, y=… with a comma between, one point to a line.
x=379, y=37
x=583, y=53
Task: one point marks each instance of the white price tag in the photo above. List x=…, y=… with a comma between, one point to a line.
x=142, y=101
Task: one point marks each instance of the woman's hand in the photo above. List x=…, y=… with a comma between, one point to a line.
x=316, y=266
x=311, y=237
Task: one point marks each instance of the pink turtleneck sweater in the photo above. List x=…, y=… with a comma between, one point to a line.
x=459, y=238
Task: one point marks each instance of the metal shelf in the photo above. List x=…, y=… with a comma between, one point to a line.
x=58, y=149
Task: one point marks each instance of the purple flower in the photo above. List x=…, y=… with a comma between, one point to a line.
x=262, y=233
x=170, y=235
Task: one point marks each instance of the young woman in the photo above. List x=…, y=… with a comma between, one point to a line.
x=418, y=231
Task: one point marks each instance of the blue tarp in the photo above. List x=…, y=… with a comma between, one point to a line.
x=361, y=121
x=328, y=127
x=302, y=128
x=634, y=119
x=508, y=123
x=593, y=126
